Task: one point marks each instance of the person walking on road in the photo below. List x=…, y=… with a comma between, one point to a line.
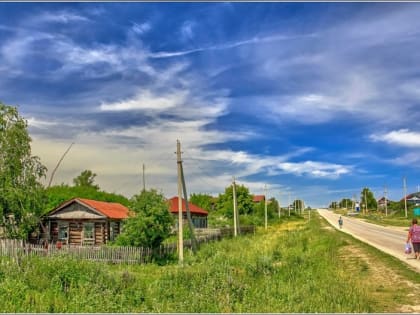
x=414, y=237
x=340, y=222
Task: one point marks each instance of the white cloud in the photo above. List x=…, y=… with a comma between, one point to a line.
x=411, y=158
x=141, y=28
x=147, y=101
x=251, y=41
x=401, y=137
x=38, y=123
x=59, y=17
x=187, y=31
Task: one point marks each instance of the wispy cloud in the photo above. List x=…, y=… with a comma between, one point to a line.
x=187, y=30
x=59, y=17
x=141, y=28
x=146, y=101
x=251, y=41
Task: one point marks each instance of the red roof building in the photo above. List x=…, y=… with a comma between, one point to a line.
x=198, y=215
x=112, y=210
x=82, y=221
x=258, y=198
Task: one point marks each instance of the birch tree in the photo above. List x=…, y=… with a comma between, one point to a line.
x=21, y=193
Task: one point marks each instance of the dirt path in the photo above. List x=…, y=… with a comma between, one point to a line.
x=390, y=240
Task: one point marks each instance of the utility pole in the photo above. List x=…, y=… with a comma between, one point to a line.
x=265, y=206
x=144, y=179
x=386, y=202
x=279, y=206
x=180, y=216
x=366, y=210
x=289, y=204
x=405, y=195
x=187, y=209
x=235, y=210
x=309, y=209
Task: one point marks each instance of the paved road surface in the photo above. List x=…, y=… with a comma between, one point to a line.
x=390, y=240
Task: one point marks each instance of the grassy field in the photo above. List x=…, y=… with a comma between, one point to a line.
x=295, y=266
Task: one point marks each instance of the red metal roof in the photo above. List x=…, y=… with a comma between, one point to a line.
x=112, y=210
x=173, y=207
x=258, y=198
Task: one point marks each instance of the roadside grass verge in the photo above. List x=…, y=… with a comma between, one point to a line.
x=293, y=267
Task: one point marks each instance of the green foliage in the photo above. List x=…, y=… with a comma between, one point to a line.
x=86, y=179
x=272, y=209
x=151, y=224
x=56, y=195
x=345, y=203
x=299, y=270
x=203, y=201
x=244, y=201
x=367, y=198
x=21, y=193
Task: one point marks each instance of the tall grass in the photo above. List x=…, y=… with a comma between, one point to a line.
x=292, y=267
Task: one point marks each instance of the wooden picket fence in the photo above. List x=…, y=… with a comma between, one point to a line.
x=110, y=254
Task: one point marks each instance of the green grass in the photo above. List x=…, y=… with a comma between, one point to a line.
x=294, y=266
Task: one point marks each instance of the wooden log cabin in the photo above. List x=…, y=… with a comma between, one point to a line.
x=84, y=222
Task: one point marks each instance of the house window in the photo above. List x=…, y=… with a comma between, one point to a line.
x=89, y=231
x=63, y=232
x=113, y=230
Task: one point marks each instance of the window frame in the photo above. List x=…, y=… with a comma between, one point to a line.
x=92, y=227
x=63, y=226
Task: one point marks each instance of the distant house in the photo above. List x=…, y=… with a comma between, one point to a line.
x=413, y=199
x=198, y=215
x=381, y=202
x=84, y=222
x=258, y=198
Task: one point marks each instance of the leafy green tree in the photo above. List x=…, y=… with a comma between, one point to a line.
x=333, y=205
x=297, y=205
x=243, y=198
x=86, y=179
x=367, y=198
x=345, y=203
x=151, y=224
x=21, y=193
x=203, y=201
x=272, y=209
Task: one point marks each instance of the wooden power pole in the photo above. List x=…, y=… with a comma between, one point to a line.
x=265, y=206
x=235, y=209
x=180, y=215
x=144, y=178
x=187, y=208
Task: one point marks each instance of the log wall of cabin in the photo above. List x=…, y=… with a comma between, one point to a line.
x=75, y=231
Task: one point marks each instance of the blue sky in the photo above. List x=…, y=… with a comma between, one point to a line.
x=314, y=100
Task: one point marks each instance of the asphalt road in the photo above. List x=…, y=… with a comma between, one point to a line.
x=390, y=240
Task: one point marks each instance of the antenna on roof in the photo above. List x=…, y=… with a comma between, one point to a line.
x=58, y=164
